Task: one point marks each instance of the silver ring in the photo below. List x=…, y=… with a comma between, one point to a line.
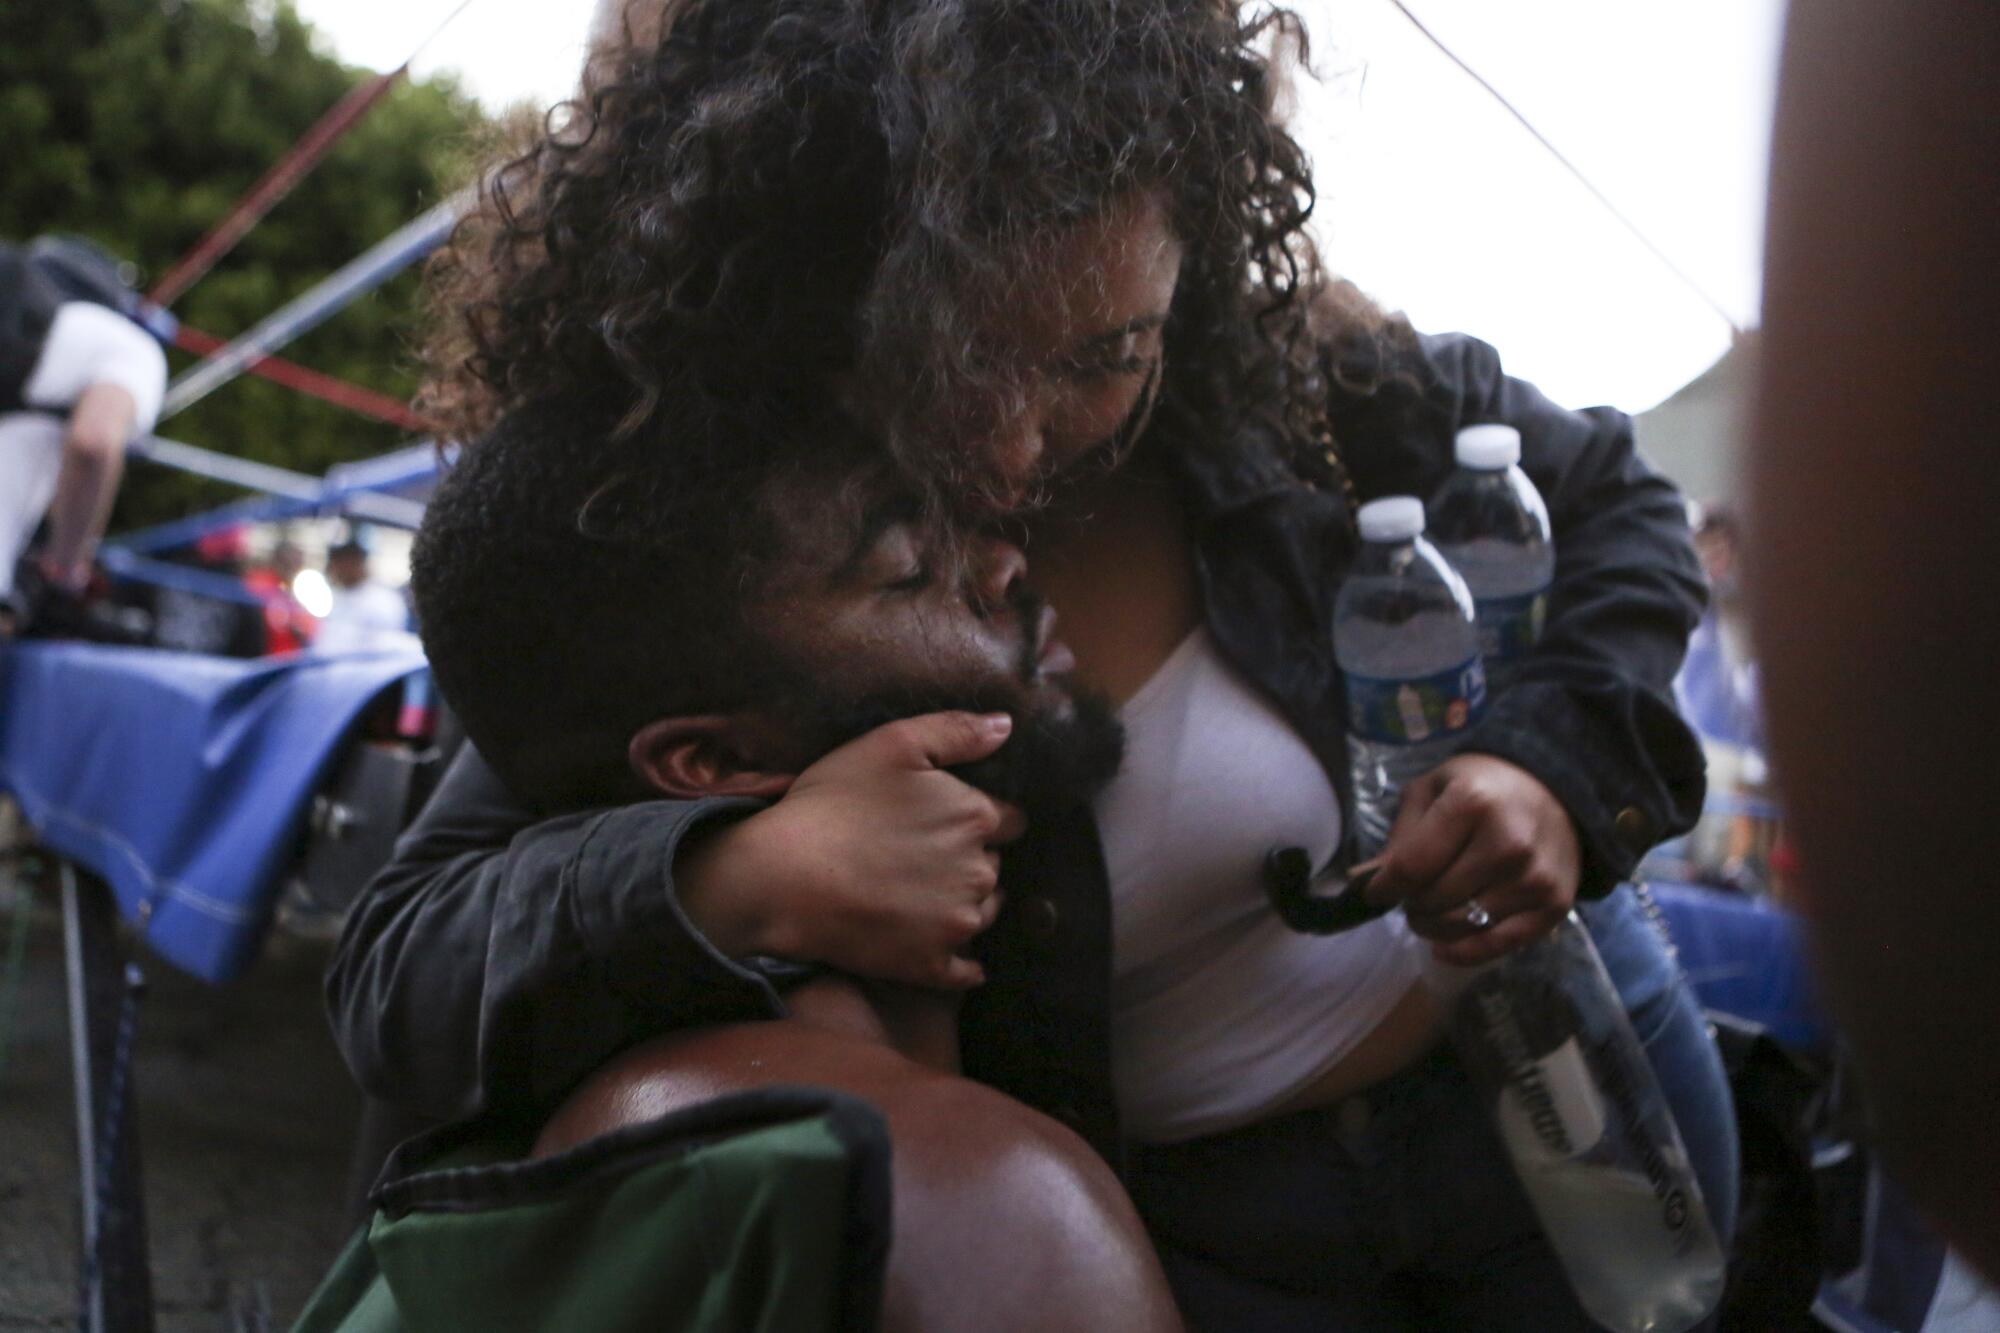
x=1476, y=916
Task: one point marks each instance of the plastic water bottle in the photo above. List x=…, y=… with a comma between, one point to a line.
x=1542, y=1032
x=1546, y=1040
x=1404, y=637
x=1490, y=523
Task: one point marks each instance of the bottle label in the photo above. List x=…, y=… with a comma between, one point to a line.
x=1404, y=712
x=1663, y=1160
x=1510, y=626
x=1550, y=1110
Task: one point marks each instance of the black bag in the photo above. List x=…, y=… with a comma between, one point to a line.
x=45, y=274
x=1788, y=1227
x=82, y=270
x=28, y=301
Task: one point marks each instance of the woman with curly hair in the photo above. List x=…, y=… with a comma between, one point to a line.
x=1050, y=256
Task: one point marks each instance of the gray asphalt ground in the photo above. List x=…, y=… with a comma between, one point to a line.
x=246, y=1118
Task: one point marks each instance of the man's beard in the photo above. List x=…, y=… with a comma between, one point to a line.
x=1048, y=763
x=1051, y=761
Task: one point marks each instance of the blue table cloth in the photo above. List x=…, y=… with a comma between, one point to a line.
x=184, y=781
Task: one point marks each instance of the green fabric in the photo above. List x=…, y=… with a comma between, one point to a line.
x=354, y=1297
x=744, y=1235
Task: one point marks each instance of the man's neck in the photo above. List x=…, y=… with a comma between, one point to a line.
x=920, y=1024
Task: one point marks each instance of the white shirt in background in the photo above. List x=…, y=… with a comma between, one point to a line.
x=369, y=617
x=86, y=345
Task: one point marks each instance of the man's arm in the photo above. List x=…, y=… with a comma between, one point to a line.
x=93, y=461
x=498, y=959
x=107, y=376
x=1874, y=536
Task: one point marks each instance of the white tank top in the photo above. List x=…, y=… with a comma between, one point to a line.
x=1219, y=1012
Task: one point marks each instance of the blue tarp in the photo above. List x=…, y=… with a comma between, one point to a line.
x=183, y=780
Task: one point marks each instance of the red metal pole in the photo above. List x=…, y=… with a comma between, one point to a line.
x=287, y=172
x=312, y=383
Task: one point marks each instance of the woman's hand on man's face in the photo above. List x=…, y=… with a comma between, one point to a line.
x=876, y=861
x=1479, y=837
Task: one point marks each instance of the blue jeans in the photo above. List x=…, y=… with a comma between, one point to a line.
x=1396, y=1209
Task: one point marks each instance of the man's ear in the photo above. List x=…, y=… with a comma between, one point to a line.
x=724, y=754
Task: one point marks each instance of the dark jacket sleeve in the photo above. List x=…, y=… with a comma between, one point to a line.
x=1590, y=712
x=496, y=959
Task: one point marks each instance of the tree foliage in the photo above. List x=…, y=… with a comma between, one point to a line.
x=139, y=122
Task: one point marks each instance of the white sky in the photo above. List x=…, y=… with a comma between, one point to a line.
x=1432, y=197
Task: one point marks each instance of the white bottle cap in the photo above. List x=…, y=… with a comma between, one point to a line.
x=1397, y=518
x=1488, y=448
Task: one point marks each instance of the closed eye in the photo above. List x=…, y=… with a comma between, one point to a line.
x=1097, y=370
x=916, y=581
x=1127, y=350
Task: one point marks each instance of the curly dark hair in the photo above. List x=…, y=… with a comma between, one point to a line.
x=572, y=586
x=779, y=197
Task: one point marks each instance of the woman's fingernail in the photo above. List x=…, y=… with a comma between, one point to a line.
x=998, y=724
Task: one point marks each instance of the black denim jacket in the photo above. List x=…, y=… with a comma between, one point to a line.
x=497, y=960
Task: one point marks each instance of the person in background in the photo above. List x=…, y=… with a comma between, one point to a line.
x=1874, y=534
x=1717, y=685
x=78, y=381
x=365, y=615
x=1717, y=691
x=288, y=626
x=1718, y=541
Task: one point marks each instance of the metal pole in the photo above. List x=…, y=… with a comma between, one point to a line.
x=102, y=991
x=200, y=582
x=391, y=510
x=383, y=261
x=82, y=1072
